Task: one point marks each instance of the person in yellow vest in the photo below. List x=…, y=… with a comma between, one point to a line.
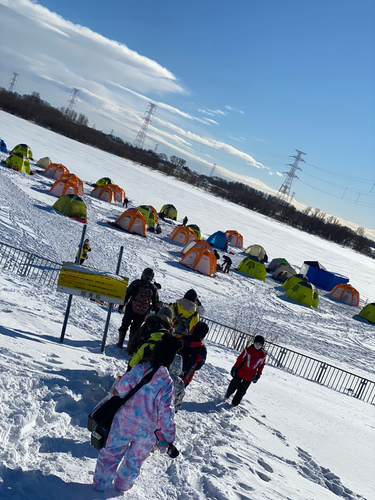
x=85, y=250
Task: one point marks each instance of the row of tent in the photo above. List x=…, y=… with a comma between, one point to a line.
x=197, y=254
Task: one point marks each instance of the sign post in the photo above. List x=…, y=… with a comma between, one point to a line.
x=92, y=284
x=111, y=304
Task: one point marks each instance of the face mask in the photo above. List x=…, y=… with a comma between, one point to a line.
x=258, y=346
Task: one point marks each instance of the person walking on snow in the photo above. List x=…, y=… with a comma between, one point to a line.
x=185, y=221
x=248, y=368
x=132, y=434
x=227, y=263
x=85, y=250
x=194, y=351
x=185, y=314
x=138, y=297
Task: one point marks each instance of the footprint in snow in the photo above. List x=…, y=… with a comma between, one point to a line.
x=265, y=466
x=263, y=476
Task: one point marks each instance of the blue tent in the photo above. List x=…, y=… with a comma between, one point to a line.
x=319, y=276
x=3, y=147
x=218, y=240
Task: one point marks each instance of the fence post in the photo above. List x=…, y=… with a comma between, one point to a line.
x=71, y=296
x=281, y=356
x=362, y=385
x=111, y=305
x=323, y=368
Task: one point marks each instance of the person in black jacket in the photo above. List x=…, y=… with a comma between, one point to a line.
x=193, y=352
x=138, y=297
x=227, y=263
x=153, y=323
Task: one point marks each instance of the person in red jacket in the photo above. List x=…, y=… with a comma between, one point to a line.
x=248, y=368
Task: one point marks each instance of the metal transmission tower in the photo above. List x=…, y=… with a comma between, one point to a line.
x=13, y=81
x=213, y=169
x=284, y=192
x=141, y=136
x=72, y=98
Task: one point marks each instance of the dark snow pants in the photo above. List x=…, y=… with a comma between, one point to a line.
x=131, y=319
x=241, y=386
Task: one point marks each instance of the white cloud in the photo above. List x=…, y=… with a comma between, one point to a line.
x=35, y=32
x=231, y=108
x=212, y=112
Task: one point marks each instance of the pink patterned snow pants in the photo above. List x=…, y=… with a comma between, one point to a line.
x=132, y=455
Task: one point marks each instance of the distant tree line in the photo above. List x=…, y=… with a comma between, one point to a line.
x=67, y=122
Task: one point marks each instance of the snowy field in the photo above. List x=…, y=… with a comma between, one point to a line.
x=289, y=439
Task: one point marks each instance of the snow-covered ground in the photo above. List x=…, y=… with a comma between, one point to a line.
x=289, y=439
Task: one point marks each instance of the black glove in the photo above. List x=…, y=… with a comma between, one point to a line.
x=256, y=378
x=233, y=371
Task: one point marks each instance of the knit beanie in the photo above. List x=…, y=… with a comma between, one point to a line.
x=165, y=351
x=200, y=330
x=258, y=339
x=148, y=274
x=191, y=295
x=167, y=311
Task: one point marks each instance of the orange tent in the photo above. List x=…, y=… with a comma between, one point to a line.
x=200, y=259
x=54, y=170
x=345, y=293
x=193, y=244
x=118, y=193
x=183, y=235
x=132, y=221
x=104, y=193
x=67, y=184
x=234, y=238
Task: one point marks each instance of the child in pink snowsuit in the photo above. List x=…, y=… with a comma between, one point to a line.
x=132, y=437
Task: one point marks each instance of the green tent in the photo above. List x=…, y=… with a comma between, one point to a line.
x=149, y=213
x=18, y=161
x=275, y=263
x=24, y=149
x=169, y=211
x=293, y=280
x=304, y=293
x=368, y=312
x=196, y=230
x=253, y=268
x=71, y=205
x=104, y=181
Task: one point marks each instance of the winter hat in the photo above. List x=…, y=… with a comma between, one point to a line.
x=148, y=274
x=258, y=339
x=167, y=311
x=191, y=295
x=165, y=351
x=200, y=330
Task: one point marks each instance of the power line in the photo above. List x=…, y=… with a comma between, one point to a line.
x=340, y=197
x=341, y=175
x=339, y=186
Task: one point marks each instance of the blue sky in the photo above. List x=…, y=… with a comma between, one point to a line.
x=240, y=84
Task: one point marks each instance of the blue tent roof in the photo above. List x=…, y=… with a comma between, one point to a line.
x=218, y=240
x=3, y=146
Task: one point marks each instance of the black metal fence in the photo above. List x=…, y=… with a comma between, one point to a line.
x=297, y=363
x=46, y=272
x=15, y=261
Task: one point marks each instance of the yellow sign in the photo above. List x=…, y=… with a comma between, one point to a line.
x=91, y=283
